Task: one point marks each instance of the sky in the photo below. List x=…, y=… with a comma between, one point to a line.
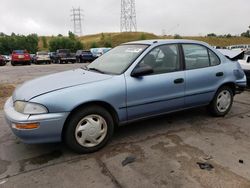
x=184, y=17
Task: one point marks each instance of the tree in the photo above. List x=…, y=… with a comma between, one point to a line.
x=211, y=35
x=64, y=43
x=72, y=36
x=247, y=33
x=93, y=45
x=18, y=42
x=78, y=45
x=44, y=41
x=177, y=36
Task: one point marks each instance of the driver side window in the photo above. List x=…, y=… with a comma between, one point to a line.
x=163, y=59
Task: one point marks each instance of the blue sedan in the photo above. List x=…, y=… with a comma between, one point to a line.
x=133, y=81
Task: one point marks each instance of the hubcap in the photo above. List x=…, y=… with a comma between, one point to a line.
x=223, y=101
x=91, y=130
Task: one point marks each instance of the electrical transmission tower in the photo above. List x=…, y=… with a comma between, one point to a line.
x=128, y=16
x=77, y=19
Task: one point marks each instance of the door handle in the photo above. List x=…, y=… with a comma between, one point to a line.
x=219, y=74
x=179, y=81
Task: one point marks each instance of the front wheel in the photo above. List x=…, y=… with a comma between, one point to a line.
x=222, y=102
x=89, y=129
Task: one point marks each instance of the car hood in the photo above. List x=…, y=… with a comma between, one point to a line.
x=54, y=82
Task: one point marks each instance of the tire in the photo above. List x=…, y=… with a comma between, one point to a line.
x=13, y=63
x=220, y=109
x=82, y=119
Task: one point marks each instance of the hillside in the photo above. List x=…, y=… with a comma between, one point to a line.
x=114, y=39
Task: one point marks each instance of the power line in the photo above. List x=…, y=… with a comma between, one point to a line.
x=128, y=16
x=77, y=18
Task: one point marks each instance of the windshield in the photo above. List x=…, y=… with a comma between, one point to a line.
x=118, y=59
x=19, y=51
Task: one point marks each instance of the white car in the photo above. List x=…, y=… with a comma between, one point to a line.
x=42, y=57
x=7, y=58
x=242, y=47
x=245, y=65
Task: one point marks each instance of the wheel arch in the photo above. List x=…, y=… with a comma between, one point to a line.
x=229, y=84
x=102, y=104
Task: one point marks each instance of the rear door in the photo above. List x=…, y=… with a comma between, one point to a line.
x=203, y=74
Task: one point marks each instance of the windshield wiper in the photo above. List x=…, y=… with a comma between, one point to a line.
x=85, y=68
x=97, y=70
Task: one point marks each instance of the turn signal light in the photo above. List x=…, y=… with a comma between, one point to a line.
x=26, y=126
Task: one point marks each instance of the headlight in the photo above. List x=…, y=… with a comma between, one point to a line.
x=29, y=108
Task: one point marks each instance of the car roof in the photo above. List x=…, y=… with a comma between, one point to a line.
x=166, y=41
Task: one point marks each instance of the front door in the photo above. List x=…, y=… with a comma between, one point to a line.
x=160, y=92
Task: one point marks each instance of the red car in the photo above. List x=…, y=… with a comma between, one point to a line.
x=20, y=57
x=2, y=61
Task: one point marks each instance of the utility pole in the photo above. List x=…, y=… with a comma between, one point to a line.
x=128, y=16
x=77, y=18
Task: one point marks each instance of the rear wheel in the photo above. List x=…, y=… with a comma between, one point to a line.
x=222, y=102
x=13, y=63
x=89, y=129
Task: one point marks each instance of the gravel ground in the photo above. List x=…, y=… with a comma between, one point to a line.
x=165, y=149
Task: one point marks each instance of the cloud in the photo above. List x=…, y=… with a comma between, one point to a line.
x=185, y=17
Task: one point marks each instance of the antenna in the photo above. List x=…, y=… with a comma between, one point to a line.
x=77, y=18
x=128, y=16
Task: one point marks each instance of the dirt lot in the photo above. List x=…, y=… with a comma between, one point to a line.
x=166, y=150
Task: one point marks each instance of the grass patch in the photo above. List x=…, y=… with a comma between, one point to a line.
x=6, y=90
x=118, y=38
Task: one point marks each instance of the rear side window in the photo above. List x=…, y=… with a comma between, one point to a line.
x=196, y=56
x=213, y=58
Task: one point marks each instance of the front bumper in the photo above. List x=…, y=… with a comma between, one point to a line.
x=50, y=125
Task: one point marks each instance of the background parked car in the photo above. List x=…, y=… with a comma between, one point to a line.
x=97, y=52
x=52, y=56
x=42, y=57
x=7, y=58
x=32, y=57
x=245, y=64
x=2, y=61
x=83, y=56
x=65, y=56
x=20, y=57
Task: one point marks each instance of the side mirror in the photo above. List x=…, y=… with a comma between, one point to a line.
x=142, y=70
